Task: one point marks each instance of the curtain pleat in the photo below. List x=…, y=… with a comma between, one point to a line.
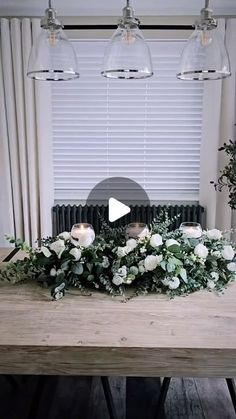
x=224, y=213
x=26, y=115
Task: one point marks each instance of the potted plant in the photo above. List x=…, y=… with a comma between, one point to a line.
x=227, y=176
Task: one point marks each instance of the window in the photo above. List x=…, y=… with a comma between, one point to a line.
x=147, y=130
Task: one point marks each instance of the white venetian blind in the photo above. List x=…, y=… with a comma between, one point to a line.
x=146, y=130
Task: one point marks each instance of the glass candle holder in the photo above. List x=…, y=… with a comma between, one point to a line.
x=136, y=230
x=191, y=230
x=83, y=233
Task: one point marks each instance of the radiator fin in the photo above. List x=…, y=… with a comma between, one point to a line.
x=64, y=216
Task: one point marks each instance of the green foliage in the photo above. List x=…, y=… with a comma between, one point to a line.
x=116, y=265
x=227, y=177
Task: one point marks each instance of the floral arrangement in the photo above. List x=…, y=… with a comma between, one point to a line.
x=161, y=261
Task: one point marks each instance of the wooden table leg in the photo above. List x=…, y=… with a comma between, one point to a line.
x=160, y=413
x=109, y=398
x=232, y=390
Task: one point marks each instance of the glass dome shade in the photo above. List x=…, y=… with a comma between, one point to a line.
x=204, y=57
x=52, y=57
x=127, y=55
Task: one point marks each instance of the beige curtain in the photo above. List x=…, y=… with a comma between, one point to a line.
x=224, y=215
x=218, y=127
x=25, y=137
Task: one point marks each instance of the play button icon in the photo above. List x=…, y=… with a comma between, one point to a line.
x=116, y=210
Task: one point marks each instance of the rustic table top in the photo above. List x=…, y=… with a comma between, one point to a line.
x=99, y=335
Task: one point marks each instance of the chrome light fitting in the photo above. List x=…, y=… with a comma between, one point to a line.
x=52, y=57
x=205, y=56
x=127, y=55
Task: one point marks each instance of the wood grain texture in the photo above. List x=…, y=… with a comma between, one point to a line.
x=99, y=335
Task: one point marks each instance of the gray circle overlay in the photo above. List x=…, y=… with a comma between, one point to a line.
x=123, y=189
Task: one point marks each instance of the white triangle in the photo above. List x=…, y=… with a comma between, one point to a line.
x=116, y=210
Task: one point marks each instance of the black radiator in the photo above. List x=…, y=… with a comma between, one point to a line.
x=64, y=216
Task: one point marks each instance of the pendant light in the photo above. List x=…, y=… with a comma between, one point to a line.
x=205, y=56
x=127, y=55
x=52, y=56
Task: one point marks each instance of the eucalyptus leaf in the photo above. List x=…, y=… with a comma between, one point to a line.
x=174, y=248
x=78, y=268
x=170, y=267
x=175, y=261
x=183, y=275
x=163, y=265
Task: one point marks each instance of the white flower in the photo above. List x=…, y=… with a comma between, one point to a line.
x=65, y=235
x=76, y=253
x=151, y=262
x=122, y=271
x=174, y=283
x=215, y=276
x=131, y=244
x=231, y=266
x=156, y=240
x=53, y=272
x=142, y=250
x=133, y=270
x=46, y=251
x=58, y=247
x=228, y=252
x=105, y=262
x=122, y=251
x=117, y=280
x=211, y=284
x=166, y=281
x=171, y=242
x=201, y=251
x=214, y=234
x=74, y=242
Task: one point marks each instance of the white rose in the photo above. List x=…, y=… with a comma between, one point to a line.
x=53, y=272
x=117, y=280
x=231, y=267
x=156, y=240
x=151, y=262
x=171, y=242
x=46, y=251
x=122, y=271
x=65, y=235
x=211, y=284
x=228, y=252
x=214, y=234
x=215, y=275
x=131, y=244
x=122, y=251
x=201, y=251
x=174, y=283
x=165, y=282
x=58, y=247
x=76, y=253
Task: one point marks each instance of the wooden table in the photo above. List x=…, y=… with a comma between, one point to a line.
x=149, y=336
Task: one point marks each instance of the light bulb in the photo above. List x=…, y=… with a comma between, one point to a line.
x=52, y=38
x=206, y=38
x=128, y=37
